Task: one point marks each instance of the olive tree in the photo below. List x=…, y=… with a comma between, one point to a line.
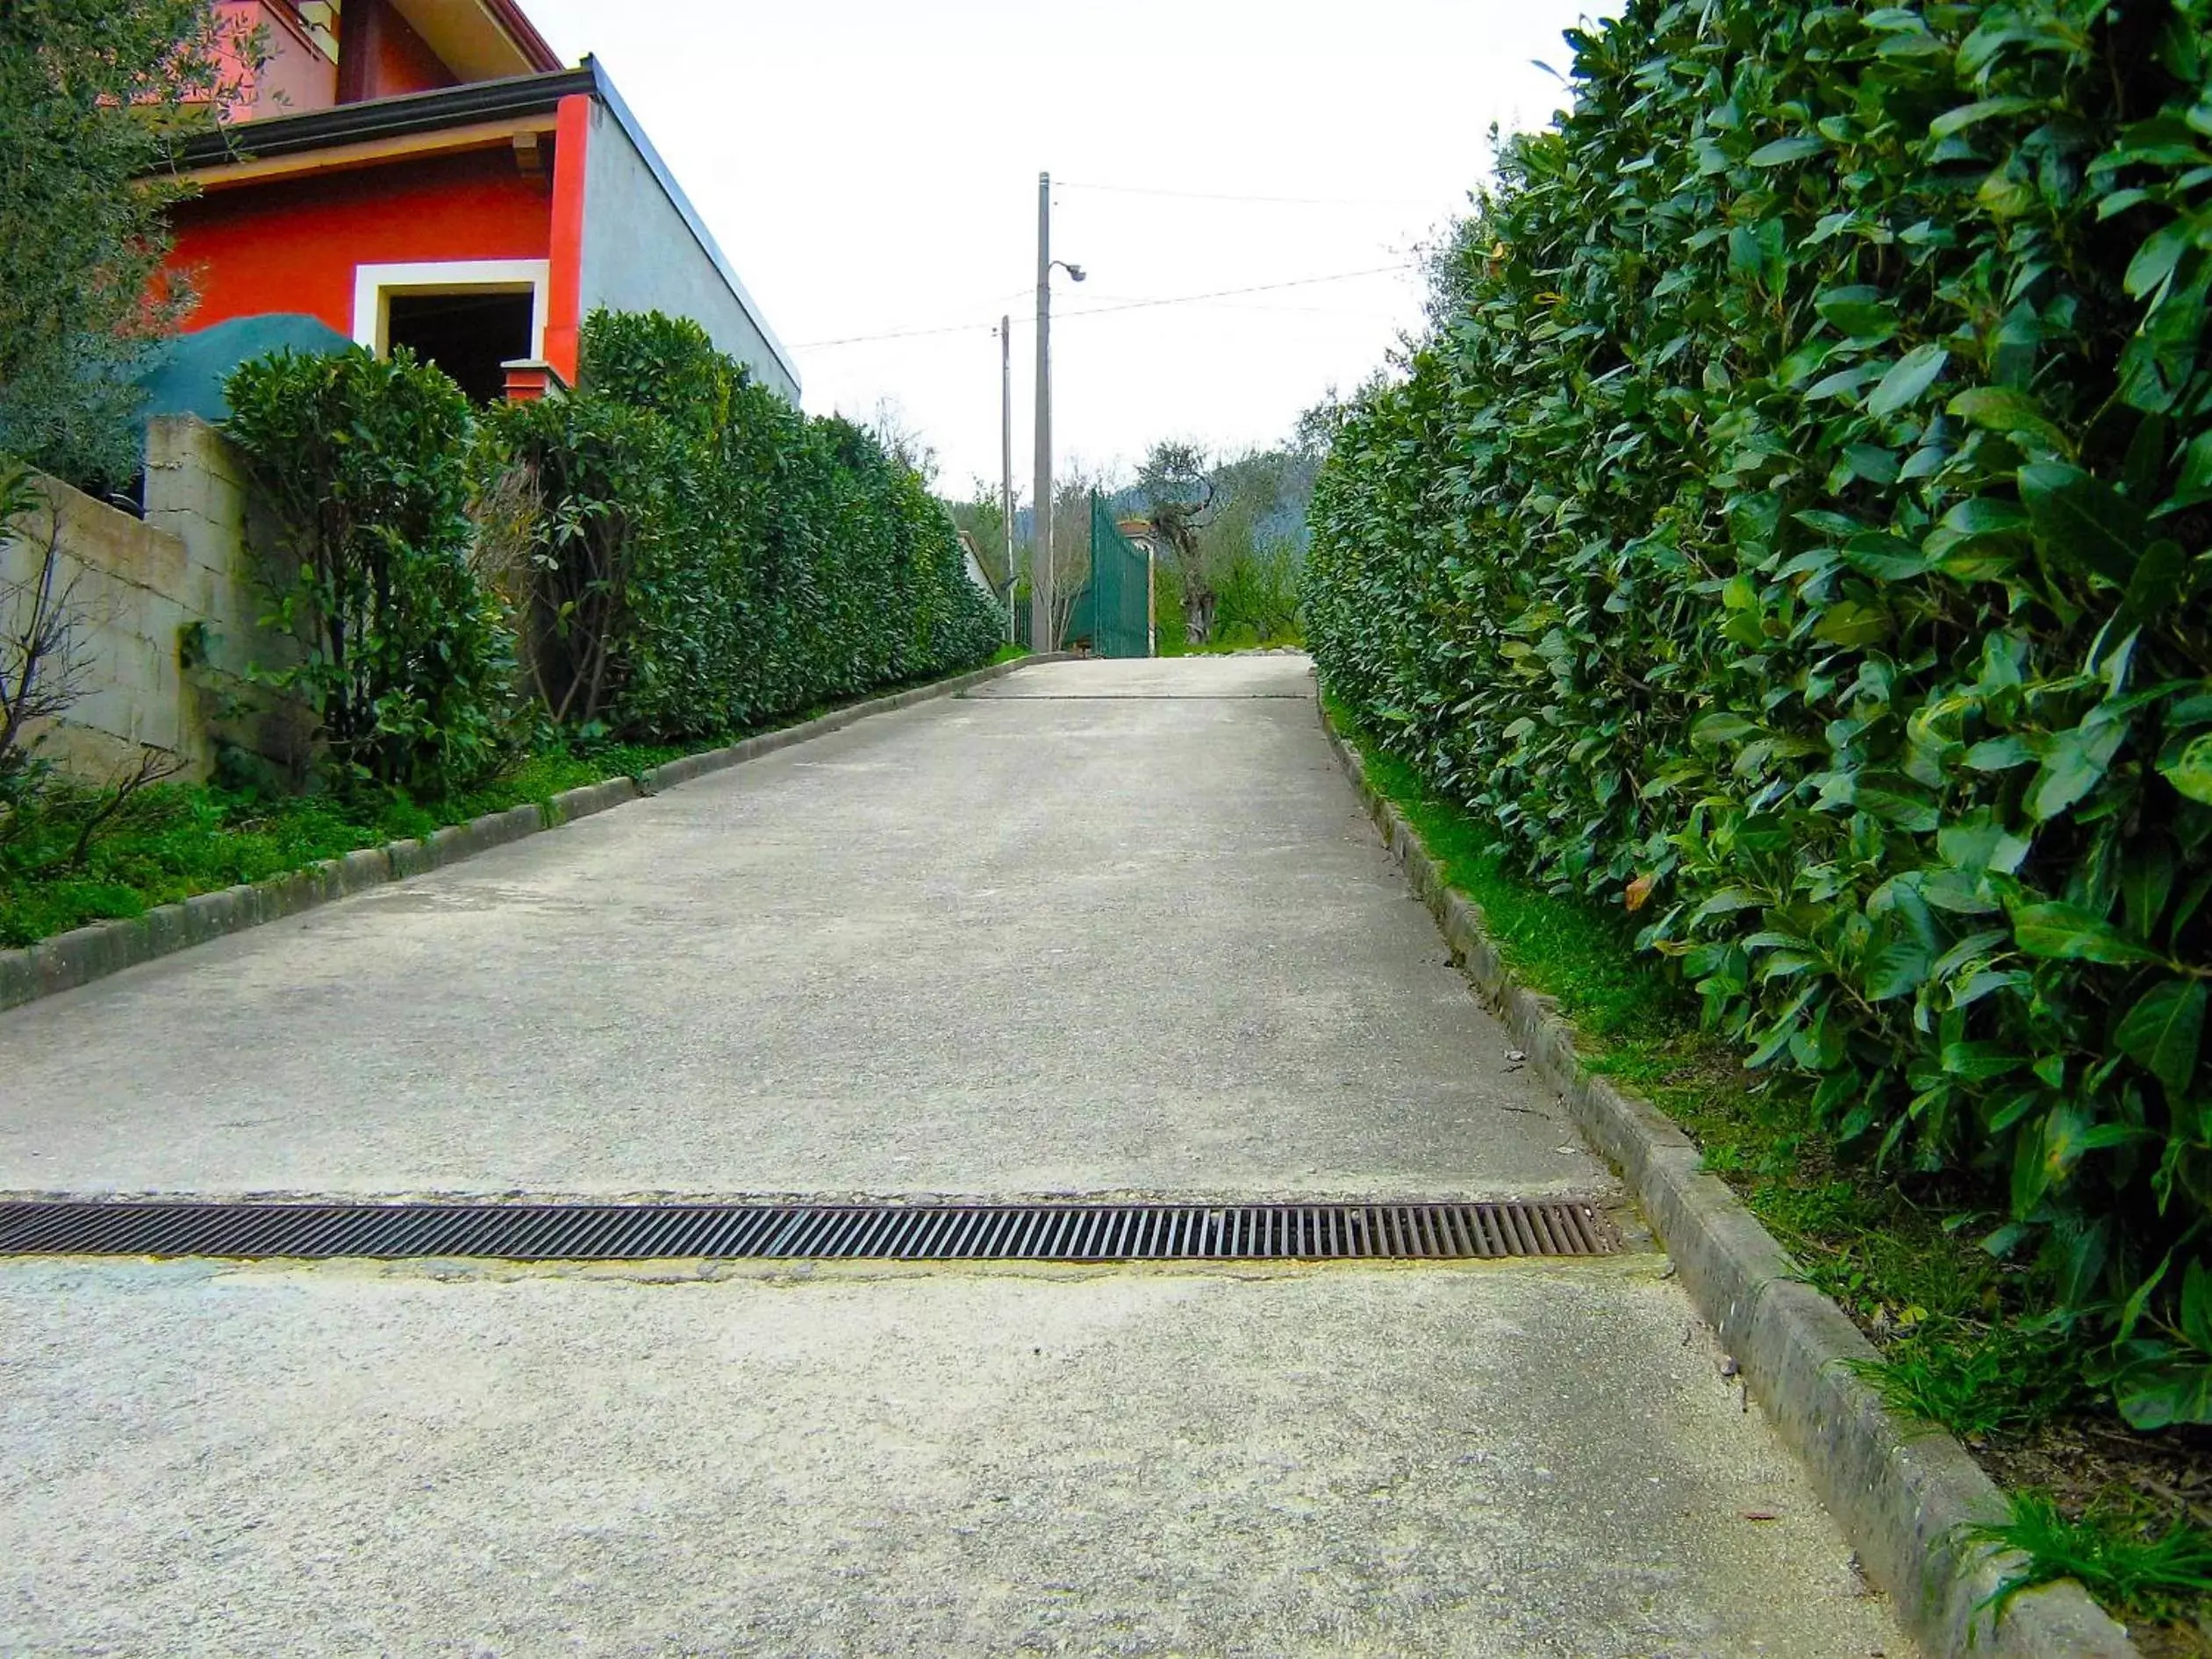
x=89, y=96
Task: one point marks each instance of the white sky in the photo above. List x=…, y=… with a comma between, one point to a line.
x=871, y=167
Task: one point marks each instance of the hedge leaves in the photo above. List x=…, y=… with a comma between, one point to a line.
x=709, y=557
x=676, y=551
x=1796, y=522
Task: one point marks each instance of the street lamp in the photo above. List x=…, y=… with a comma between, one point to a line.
x=1041, y=637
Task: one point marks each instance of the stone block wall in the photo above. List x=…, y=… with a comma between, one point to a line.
x=165, y=612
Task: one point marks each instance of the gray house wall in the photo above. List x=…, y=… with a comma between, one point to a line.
x=644, y=250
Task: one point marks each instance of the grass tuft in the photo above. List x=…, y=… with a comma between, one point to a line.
x=2120, y=1556
x=1975, y=1380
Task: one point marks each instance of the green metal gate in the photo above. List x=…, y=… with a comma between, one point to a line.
x=1119, y=604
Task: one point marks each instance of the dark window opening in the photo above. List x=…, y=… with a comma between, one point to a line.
x=468, y=335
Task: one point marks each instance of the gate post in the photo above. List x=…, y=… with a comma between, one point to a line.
x=1151, y=632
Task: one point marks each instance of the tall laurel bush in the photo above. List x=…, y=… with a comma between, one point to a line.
x=1796, y=526
x=403, y=658
x=722, y=558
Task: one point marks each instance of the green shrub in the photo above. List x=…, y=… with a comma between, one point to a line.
x=88, y=96
x=1258, y=600
x=705, y=557
x=595, y=542
x=403, y=659
x=1796, y=526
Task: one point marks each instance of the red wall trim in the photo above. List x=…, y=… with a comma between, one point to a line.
x=381, y=56
x=291, y=245
x=565, y=280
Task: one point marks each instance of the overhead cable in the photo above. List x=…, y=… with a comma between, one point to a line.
x=1101, y=310
x=1221, y=195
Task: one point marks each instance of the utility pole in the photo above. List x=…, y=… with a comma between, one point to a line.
x=1040, y=633
x=1006, y=457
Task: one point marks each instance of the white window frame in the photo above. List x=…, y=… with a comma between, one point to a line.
x=374, y=286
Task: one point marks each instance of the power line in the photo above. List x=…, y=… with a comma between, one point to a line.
x=902, y=333
x=1226, y=293
x=1217, y=196
x=1100, y=311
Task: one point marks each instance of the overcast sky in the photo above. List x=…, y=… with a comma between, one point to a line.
x=871, y=167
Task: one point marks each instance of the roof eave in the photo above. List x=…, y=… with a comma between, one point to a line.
x=525, y=34
x=383, y=117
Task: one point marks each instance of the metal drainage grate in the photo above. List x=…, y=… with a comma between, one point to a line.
x=890, y=1230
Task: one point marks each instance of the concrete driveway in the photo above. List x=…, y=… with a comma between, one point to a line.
x=1097, y=927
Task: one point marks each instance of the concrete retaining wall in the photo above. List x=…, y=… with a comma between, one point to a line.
x=165, y=613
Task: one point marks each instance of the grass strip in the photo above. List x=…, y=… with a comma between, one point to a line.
x=172, y=841
x=1171, y=643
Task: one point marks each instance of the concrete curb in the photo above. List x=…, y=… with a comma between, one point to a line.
x=83, y=955
x=1899, y=1490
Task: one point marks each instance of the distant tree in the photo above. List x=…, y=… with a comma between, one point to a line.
x=1316, y=428
x=902, y=439
x=1179, y=496
x=1071, y=491
x=89, y=93
x=982, y=519
x=1231, y=532
x=1252, y=543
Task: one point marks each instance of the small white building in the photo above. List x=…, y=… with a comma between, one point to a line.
x=977, y=574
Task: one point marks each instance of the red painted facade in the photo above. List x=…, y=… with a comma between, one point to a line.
x=565, y=280
x=292, y=245
x=448, y=135
x=382, y=56
x=293, y=72
x=321, y=53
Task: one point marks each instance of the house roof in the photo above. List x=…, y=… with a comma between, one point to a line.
x=481, y=37
x=371, y=118
x=375, y=129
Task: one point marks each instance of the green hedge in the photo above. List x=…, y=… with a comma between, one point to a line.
x=403, y=657
x=1796, y=526
x=716, y=558
x=676, y=550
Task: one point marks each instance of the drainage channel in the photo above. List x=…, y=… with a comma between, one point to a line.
x=887, y=1231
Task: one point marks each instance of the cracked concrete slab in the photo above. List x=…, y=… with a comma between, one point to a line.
x=989, y=944
x=1132, y=934
x=1498, y=1459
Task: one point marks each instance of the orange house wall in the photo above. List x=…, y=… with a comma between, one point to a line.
x=292, y=246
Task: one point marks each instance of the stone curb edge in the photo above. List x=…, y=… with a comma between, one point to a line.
x=83, y=955
x=1899, y=1490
